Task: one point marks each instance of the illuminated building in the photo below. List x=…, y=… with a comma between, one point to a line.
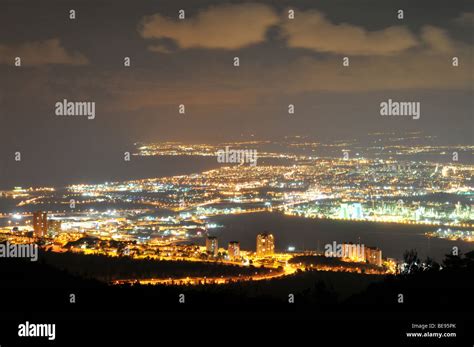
x=54, y=226
x=344, y=211
x=353, y=252
x=357, y=211
x=373, y=256
x=234, y=250
x=350, y=211
x=265, y=245
x=40, y=223
x=211, y=245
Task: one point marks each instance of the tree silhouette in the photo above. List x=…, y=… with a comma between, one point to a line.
x=411, y=260
x=454, y=261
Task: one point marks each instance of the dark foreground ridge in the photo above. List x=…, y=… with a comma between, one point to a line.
x=88, y=276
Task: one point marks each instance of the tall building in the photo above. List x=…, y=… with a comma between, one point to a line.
x=234, y=250
x=265, y=245
x=40, y=223
x=211, y=245
x=373, y=256
x=54, y=226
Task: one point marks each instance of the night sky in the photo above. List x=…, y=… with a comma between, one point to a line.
x=190, y=62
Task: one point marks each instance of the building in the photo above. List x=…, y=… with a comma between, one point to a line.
x=234, y=250
x=265, y=245
x=353, y=252
x=373, y=256
x=211, y=245
x=351, y=211
x=54, y=226
x=40, y=223
x=357, y=212
x=344, y=211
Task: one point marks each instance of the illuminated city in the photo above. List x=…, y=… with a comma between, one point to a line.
x=166, y=164
x=167, y=218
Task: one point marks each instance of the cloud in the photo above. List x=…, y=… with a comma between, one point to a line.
x=40, y=53
x=425, y=66
x=436, y=39
x=237, y=26
x=221, y=27
x=411, y=71
x=312, y=30
x=217, y=84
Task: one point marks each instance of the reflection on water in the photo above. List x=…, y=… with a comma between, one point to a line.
x=312, y=234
